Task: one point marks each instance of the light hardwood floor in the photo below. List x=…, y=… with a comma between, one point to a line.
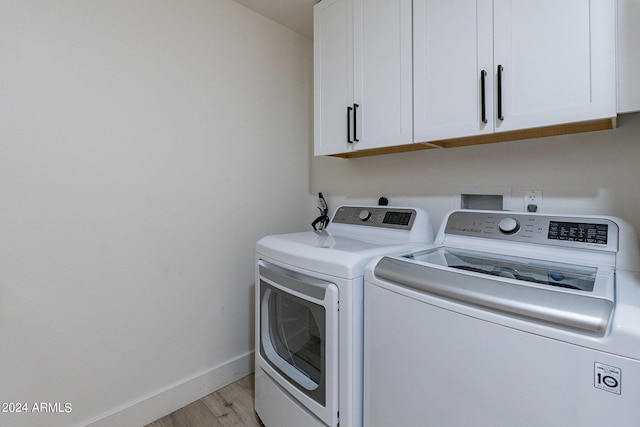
x=229, y=406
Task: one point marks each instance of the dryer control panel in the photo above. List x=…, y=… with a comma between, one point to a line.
x=386, y=217
x=576, y=232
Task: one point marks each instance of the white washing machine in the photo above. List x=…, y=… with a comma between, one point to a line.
x=507, y=319
x=309, y=313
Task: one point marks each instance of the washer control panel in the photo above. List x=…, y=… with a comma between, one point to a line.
x=577, y=232
x=386, y=217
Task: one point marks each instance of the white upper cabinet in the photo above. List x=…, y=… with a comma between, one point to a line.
x=453, y=68
x=395, y=72
x=628, y=56
x=547, y=62
x=363, y=88
x=558, y=61
x=333, y=75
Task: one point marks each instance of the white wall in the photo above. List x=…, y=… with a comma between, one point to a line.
x=144, y=147
x=589, y=173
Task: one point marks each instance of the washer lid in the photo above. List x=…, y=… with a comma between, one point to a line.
x=578, y=310
x=547, y=273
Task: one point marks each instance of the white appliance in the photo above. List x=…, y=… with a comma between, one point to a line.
x=309, y=313
x=508, y=319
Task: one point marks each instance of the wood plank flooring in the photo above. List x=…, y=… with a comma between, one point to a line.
x=231, y=406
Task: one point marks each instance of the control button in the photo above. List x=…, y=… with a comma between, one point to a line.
x=508, y=225
x=364, y=215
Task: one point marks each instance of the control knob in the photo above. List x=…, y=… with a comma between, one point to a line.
x=364, y=215
x=508, y=225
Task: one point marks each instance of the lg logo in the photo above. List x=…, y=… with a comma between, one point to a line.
x=607, y=378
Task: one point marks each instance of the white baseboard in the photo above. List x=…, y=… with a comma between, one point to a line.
x=149, y=408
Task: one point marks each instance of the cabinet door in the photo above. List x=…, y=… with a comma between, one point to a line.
x=628, y=56
x=453, y=45
x=383, y=73
x=333, y=75
x=558, y=61
x=453, y=54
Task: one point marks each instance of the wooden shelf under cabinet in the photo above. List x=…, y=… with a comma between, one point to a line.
x=564, y=129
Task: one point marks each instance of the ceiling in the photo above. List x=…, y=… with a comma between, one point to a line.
x=296, y=15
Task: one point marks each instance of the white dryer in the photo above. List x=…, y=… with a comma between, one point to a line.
x=507, y=319
x=309, y=296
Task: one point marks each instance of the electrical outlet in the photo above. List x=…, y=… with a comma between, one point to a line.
x=533, y=201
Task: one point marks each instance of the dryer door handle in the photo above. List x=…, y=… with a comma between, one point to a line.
x=305, y=285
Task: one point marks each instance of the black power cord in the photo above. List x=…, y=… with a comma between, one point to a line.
x=322, y=221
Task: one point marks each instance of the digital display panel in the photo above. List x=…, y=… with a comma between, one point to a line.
x=578, y=232
x=397, y=218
